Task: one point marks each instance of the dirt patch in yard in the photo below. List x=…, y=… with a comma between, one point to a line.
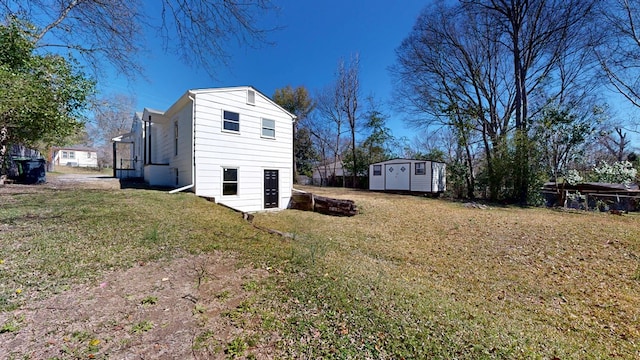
x=167, y=310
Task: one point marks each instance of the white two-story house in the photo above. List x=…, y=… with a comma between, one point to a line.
x=234, y=145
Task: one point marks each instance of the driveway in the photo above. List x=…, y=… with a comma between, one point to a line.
x=88, y=180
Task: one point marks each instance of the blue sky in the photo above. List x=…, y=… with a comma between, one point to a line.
x=306, y=51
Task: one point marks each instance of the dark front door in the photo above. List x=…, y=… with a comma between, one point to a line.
x=270, y=189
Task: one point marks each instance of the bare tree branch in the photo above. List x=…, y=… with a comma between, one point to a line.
x=112, y=32
x=619, y=52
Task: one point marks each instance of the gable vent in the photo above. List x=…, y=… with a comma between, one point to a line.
x=251, y=97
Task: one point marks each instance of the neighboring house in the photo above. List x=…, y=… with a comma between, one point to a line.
x=233, y=145
x=329, y=172
x=408, y=175
x=79, y=156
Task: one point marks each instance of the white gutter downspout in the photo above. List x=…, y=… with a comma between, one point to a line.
x=193, y=148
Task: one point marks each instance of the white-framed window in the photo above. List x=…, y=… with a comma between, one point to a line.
x=175, y=138
x=268, y=128
x=421, y=168
x=231, y=121
x=377, y=170
x=88, y=154
x=72, y=154
x=251, y=97
x=229, y=181
x=65, y=155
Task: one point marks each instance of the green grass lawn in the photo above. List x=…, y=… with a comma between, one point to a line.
x=409, y=277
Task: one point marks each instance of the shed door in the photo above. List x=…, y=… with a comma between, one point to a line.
x=270, y=189
x=397, y=176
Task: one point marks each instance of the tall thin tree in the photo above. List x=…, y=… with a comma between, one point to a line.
x=348, y=92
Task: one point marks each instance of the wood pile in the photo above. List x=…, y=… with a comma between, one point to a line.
x=323, y=205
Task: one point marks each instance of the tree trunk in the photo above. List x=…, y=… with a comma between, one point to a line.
x=4, y=135
x=521, y=163
x=323, y=205
x=354, y=176
x=337, y=207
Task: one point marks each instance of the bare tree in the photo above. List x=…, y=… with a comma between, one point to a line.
x=537, y=34
x=337, y=105
x=348, y=92
x=112, y=31
x=329, y=126
x=619, y=52
x=112, y=117
x=485, y=67
x=322, y=138
x=616, y=143
x=452, y=69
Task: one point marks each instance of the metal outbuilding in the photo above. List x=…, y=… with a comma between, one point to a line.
x=412, y=175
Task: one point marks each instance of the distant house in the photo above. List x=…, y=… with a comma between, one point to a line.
x=233, y=145
x=77, y=156
x=330, y=172
x=408, y=175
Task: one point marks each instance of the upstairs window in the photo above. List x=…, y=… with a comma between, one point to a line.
x=268, y=128
x=65, y=155
x=229, y=181
x=421, y=168
x=231, y=121
x=377, y=170
x=72, y=154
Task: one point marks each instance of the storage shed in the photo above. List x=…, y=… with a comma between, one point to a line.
x=408, y=175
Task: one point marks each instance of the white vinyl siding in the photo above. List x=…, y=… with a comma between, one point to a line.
x=216, y=149
x=160, y=134
x=182, y=162
x=422, y=182
x=439, y=177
